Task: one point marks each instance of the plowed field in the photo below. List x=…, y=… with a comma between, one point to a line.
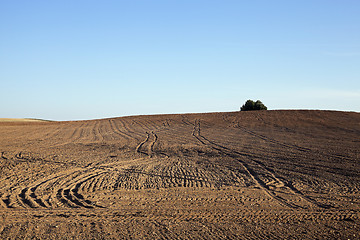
x=237, y=175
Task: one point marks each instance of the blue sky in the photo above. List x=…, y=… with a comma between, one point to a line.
x=67, y=60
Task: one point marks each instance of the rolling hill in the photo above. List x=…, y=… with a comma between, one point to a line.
x=248, y=175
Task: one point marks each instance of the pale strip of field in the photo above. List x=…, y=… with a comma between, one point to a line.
x=21, y=120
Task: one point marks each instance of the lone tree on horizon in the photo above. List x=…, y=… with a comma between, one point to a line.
x=250, y=105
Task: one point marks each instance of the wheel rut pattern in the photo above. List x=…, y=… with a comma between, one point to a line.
x=65, y=191
x=236, y=175
x=271, y=184
x=147, y=146
x=265, y=138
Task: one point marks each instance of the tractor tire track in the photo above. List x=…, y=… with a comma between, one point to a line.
x=253, y=174
x=152, y=143
x=116, y=131
x=265, y=138
x=65, y=188
x=122, y=124
x=147, y=146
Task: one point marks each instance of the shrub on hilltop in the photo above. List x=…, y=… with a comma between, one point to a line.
x=250, y=105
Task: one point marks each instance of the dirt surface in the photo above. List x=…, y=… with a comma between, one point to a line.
x=20, y=120
x=238, y=175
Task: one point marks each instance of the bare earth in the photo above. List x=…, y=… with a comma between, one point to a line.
x=20, y=120
x=238, y=175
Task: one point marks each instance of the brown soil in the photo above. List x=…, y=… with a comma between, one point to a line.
x=20, y=120
x=238, y=175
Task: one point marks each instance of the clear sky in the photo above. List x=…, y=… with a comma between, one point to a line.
x=85, y=59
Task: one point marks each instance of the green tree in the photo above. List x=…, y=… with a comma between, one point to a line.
x=250, y=105
x=259, y=106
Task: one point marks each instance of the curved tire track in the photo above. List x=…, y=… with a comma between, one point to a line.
x=147, y=146
x=254, y=175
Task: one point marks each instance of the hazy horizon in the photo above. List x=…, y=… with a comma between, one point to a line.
x=88, y=60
